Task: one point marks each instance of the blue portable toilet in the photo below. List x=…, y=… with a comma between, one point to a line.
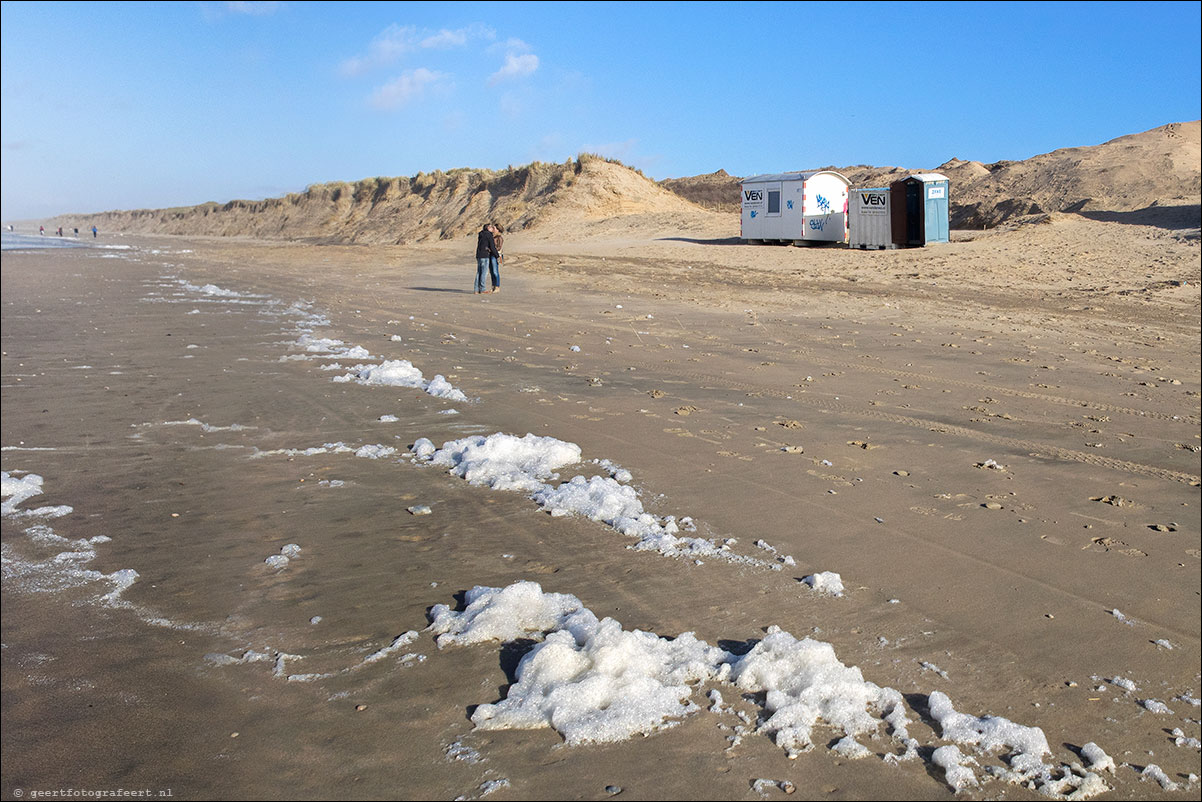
x=920, y=209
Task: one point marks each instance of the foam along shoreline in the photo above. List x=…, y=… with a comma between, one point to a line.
x=594, y=682
x=528, y=465
x=47, y=561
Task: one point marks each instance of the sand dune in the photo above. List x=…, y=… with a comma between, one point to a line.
x=428, y=206
x=1157, y=168
x=1148, y=171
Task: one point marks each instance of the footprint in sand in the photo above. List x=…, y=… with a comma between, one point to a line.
x=1114, y=501
x=1113, y=544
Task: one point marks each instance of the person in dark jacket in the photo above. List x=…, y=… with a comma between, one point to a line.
x=494, y=265
x=486, y=251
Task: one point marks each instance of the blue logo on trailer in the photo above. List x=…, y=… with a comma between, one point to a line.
x=753, y=212
x=823, y=204
x=818, y=223
x=789, y=205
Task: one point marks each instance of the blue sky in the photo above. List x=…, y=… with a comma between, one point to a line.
x=147, y=105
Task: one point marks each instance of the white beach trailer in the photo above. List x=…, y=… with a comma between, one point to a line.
x=795, y=207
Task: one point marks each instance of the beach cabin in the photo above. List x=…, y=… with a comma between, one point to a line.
x=920, y=209
x=800, y=208
x=869, y=222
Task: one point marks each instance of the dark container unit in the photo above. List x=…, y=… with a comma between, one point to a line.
x=919, y=207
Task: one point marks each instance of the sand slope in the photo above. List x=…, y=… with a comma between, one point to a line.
x=1154, y=168
x=1157, y=167
x=428, y=206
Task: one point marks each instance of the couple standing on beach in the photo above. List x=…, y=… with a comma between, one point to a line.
x=488, y=257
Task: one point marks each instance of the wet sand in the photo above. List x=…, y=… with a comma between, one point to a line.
x=853, y=425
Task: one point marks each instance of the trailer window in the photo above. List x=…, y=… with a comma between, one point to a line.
x=774, y=201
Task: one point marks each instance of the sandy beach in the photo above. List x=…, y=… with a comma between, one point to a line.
x=223, y=583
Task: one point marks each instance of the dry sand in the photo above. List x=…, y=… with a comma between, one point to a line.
x=836, y=404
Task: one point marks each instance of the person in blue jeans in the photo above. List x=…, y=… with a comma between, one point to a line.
x=487, y=256
x=494, y=264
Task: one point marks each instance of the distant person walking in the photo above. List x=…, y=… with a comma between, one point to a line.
x=42, y=230
x=486, y=254
x=93, y=232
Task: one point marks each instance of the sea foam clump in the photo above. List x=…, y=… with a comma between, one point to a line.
x=592, y=681
x=805, y=683
x=827, y=582
x=955, y=767
x=213, y=291
x=501, y=461
x=596, y=682
x=61, y=562
x=401, y=373
x=1098, y=759
x=520, y=610
x=605, y=499
x=526, y=464
x=17, y=491
x=987, y=733
x=1026, y=747
x=327, y=347
x=589, y=680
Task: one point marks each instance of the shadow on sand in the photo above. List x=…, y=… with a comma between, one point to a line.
x=439, y=289
x=724, y=241
x=1172, y=218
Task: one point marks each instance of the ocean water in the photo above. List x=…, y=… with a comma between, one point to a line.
x=27, y=242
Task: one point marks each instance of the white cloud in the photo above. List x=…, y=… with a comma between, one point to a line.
x=388, y=46
x=396, y=40
x=215, y=12
x=255, y=9
x=411, y=85
x=517, y=65
x=445, y=38
x=458, y=37
x=510, y=45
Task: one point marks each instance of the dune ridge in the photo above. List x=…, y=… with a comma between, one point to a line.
x=1153, y=176
x=426, y=207
x=1150, y=170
